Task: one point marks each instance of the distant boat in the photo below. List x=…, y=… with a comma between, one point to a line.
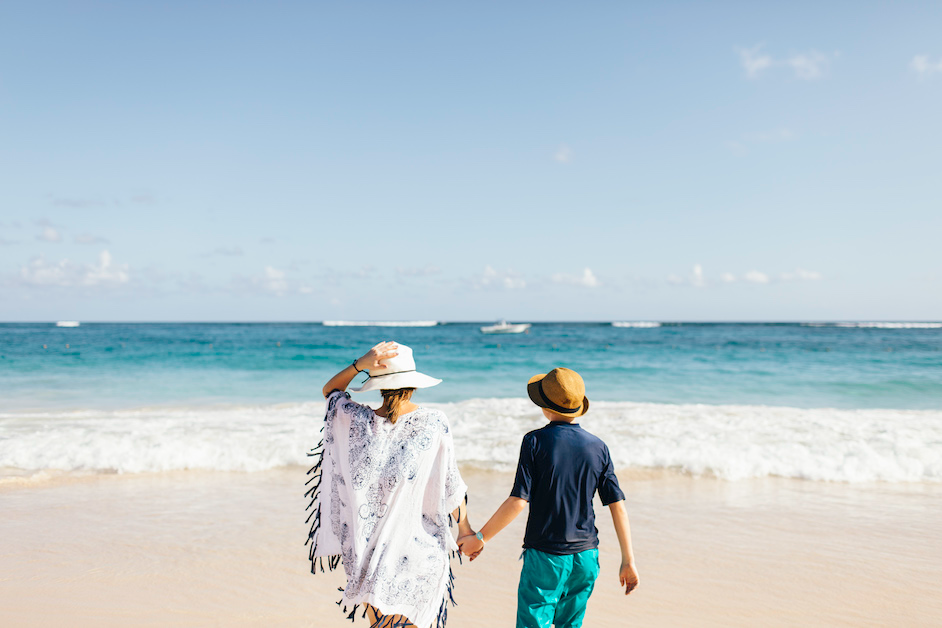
x=637, y=324
x=503, y=327
x=67, y=324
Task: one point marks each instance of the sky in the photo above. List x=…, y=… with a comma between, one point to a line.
x=305, y=161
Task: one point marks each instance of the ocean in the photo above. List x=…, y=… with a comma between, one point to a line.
x=843, y=402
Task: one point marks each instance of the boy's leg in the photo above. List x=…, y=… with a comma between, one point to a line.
x=571, y=607
x=541, y=583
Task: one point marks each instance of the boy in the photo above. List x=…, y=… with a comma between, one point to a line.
x=561, y=467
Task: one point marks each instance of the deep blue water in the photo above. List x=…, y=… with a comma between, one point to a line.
x=131, y=365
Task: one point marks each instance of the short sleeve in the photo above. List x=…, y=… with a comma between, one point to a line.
x=524, y=479
x=339, y=404
x=336, y=398
x=609, y=491
x=446, y=489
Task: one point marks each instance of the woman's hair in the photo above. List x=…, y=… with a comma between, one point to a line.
x=393, y=400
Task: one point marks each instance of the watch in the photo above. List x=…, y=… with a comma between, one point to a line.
x=480, y=537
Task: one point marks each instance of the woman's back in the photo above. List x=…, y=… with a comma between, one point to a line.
x=387, y=492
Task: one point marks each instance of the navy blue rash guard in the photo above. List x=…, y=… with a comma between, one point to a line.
x=561, y=467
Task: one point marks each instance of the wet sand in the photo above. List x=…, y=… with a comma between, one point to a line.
x=227, y=549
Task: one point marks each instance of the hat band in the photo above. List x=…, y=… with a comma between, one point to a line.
x=554, y=406
x=388, y=374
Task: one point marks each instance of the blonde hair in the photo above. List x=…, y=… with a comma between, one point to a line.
x=393, y=400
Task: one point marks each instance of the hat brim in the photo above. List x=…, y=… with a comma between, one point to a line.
x=536, y=396
x=394, y=381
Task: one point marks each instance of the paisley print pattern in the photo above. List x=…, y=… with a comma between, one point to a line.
x=391, y=489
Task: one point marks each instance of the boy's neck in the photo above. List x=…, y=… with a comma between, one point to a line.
x=555, y=417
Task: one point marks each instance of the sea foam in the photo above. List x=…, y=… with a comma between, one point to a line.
x=726, y=441
x=878, y=325
x=379, y=323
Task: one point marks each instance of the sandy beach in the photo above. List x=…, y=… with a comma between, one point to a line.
x=226, y=549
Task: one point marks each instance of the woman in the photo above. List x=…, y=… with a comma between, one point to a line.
x=385, y=486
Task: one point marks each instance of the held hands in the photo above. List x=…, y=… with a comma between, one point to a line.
x=370, y=361
x=470, y=545
x=628, y=576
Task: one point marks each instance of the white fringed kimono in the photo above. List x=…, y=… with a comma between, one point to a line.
x=382, y=494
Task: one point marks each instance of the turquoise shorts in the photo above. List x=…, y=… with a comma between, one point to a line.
x=554, y=590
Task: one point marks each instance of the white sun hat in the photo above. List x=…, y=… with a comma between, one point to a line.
x=399, y=373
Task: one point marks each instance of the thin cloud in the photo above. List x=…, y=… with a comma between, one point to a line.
x=563, y=154
x=49, y=234
x=696, y=278
x=762, y=278
x=274, y=280
x=587, y=279
x=68, y=274
x=77, y=203
x=84, y=202
x=753, y=61
x=924, y=67
x=776, y=135
x=271, y=281
x=754, y=276
x=806, y=66
x=801, y=274
x=491, y=279
x=225, y=251
x=90, y=239
x=5, y=242
x=424, y=271
x=809, y=66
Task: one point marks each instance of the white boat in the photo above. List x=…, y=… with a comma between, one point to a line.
x=503, y=327
x=67, y=324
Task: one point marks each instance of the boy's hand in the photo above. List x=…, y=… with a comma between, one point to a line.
x=628, y=576
x=470, y=545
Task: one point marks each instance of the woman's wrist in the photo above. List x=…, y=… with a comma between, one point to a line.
x=356, y=366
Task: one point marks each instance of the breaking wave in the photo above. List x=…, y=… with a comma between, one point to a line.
x=878, y=325
x=727, y=441
x=379, y=323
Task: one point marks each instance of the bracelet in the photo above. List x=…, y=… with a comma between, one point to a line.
x=354, y=365
x=479, y=536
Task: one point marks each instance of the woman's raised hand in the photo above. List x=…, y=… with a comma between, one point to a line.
x=371, y=360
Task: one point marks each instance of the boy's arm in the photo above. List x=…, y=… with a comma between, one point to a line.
x=508, y=511
x=627, y=573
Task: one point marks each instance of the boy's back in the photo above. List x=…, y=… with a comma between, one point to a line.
x=561, y=466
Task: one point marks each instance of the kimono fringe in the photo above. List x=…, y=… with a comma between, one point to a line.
x=314, y=518
x=390, y=621
x=449, y=596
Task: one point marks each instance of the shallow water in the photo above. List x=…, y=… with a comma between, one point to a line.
x=830, y=402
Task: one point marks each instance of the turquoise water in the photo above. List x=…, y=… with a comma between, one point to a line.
x=795, y=365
